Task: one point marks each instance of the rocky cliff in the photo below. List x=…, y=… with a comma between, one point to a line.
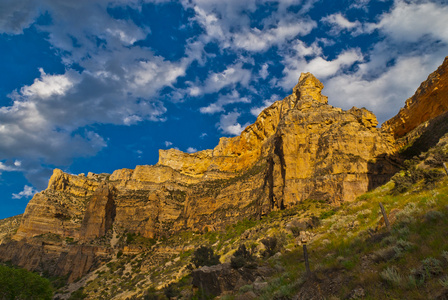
x=298, y=148
x=429, y=101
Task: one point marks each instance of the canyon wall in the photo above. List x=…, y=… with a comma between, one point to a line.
x=298, y=148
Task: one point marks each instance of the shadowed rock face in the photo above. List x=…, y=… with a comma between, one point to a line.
x=429, y=101
x=100, y=213
x=298, y=148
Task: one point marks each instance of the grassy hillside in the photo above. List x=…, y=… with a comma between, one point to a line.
x=351, y=252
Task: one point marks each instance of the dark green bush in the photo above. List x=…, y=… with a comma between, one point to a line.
x=242, y=258
x=270, y=243
x=432, y=176
x=204, y=256
x=171, y=291
x=22, y=284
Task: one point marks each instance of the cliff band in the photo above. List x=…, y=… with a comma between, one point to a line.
x=298, y=148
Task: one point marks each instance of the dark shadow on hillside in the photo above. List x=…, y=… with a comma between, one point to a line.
x=429, y=136
x=420, y=139
x=381, y=171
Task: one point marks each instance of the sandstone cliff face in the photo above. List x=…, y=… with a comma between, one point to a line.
x=429, y=101
x=298, y=148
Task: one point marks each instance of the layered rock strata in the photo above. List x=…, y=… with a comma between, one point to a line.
x=298, y=148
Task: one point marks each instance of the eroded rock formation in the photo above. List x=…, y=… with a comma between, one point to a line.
x=298, y=148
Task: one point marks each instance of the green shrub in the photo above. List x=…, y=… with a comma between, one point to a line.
x=432, y=176
x=327, y=214
x=270, y=244
x=204, y=256
x=433, y=215
x=432, y=266
x=402, y=183
x=391, y=276
x=22, y=284
x=445, y=255
x=242, y=258
x=171, y=291
x=444, y=281
x=78, y=295
x=429, y=267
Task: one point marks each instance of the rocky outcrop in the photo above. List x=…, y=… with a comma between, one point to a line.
x=429, y=101
x=100, y=213
x=218, y=279
x=48, y=253
x=8, y=227
x=298, y=148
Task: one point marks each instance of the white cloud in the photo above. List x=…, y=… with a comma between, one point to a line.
x=414, y=42
x=168, y=143
x=229, y=23
x=340, y=23
x=203, y=135
x=231, y=76
x=228, y=123
x=384, y=94
x=119, y=84
x=318, y=66
x=412, y=21
x=8, y=167
x=261, y=40
x=361, y=4
x=28, y=191
x=191, y=150
x=50, y=85
x=263, y=73
x=224, y=100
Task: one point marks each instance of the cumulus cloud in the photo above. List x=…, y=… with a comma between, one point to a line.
x=168, y=143
x=48, y=122
x=228, y=123
x=28, y=191
x=412, y=21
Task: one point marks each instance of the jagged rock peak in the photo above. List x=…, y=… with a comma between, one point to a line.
x=309, y=88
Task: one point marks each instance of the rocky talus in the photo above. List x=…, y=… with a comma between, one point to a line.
x=298, y=148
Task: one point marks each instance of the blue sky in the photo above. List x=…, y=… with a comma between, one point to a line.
x=94, y=86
